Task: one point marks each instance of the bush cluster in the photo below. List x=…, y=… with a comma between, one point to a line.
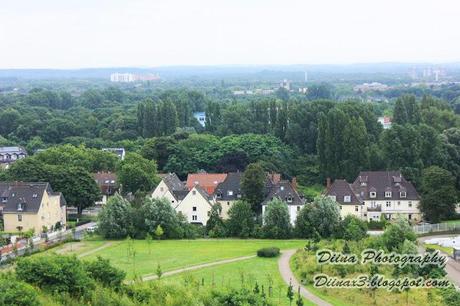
x=268, y=252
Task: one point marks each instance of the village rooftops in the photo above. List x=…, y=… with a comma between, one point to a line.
x=284, y=191
x=11, y=154
x=207, y=181
x=342, y=192
x=230, y=189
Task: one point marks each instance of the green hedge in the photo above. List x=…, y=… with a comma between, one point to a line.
x=268, y=252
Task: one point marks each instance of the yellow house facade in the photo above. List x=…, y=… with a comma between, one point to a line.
x=33, y=206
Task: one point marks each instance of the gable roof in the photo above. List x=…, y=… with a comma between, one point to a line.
x=173, y=182
x=283, y=190
x=231, y=183
x=29, y=195
x=208, y=181
x=381, y=182
x=340, y=189
x=201, y=192
x=106, y=178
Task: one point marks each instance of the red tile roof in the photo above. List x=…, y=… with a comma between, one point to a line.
x=207, y=181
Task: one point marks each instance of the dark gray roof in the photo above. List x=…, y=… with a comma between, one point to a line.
x=174, y=183
x=230, y=188
x=204, y=193
x=180, y=194
x=283, y=190
x=382, y=181
x=22, y=197
x=340, y=189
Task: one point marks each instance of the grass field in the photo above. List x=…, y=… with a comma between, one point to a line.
x=452, y=221
x=446, y=250
x=170, y=254
x=244, y=273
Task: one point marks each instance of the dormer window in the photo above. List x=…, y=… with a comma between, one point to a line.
x=373, y=194
x=34, y=195
x=230, y=192
x=402, y=194
x=347, y=199
x=387, y=194
x=282, y=188
x=21, y=206
x=4, y=199
x=289, y=199
x=363, y=184
x=219, y=195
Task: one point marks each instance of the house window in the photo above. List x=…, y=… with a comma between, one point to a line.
x=4, y=199
x=387, y=194
x=356, y=208
x=402, y=194
x=161, y=189
x=410, y=203
x=172, y=201
x=194, y=192
x=409, y=216
x=194, y=208
x=20, y=206
x=194, y=218
x=340, y=207
x=219, y=195
x=228, y=203
x=282, y=187
x=209, y=213
x=289, y=199
x=347, y=199
x=399, y=203
x=388, y=204
x=298, y=208
x=34, y=195
x=373, y=194
x=19, y=218
x=230, y=192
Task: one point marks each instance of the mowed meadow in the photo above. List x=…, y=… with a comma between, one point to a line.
x=141, y=258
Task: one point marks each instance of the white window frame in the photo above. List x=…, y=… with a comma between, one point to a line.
x=403, y=194
x=347, y=199
x=387, y=194
x=373, y=194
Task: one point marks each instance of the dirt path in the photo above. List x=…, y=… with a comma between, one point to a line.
x=191, y=268
x=288, y=277
x=105, y=245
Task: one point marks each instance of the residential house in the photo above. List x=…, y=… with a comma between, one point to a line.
x=349, y=203
x=108, y=185
x=196, y=206
x=9, y=155
x=379, y=193
x=228, y=192
x=207, y=181
x=120, y=152
x=31, y=206
x=201, y=117
x=170, y=188
x=287, y=192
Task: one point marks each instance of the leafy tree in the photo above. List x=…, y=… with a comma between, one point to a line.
x=215, y=224
x=159, y=212
x=114, y=221
x=253, y=185
x=439, y=195
x=396, y=233
x=353, y=228
x=159, y=232
x=241, y=220
x=276, y=220
x=136, y=173
x=322, y=217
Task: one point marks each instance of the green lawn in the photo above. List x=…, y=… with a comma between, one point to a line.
x=172, y=254
x=452, y=221
x=244, y=273
x=446, y=250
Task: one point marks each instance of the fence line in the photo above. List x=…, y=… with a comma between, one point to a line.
x=433, y=228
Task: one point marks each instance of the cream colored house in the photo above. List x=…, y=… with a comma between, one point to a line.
x=196, y=206
x=375, y=194
x=31, y=206
x=170, y=188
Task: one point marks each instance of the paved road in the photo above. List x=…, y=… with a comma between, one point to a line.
x=191, y=268
x=452, y=267
x=289, y=277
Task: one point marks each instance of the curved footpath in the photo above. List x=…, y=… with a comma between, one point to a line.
x=452, y=267
x=288, y=277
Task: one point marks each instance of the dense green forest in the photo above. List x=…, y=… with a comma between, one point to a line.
x=309, y=136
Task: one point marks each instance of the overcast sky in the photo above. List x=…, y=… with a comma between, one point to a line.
x=108, y=33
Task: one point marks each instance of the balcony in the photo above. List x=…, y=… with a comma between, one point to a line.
x=375, y=208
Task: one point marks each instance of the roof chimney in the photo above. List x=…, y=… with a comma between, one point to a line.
x=328, y=183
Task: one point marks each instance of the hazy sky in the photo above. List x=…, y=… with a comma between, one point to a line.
x=102, y=33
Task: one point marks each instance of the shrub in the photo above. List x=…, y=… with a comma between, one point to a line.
x=354, y=228
x=57, y=274
x=106, y=274
x=268, y=252
x=17, y=293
